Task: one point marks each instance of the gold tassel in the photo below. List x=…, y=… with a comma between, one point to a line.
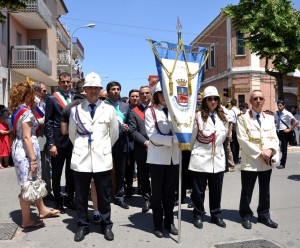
x=189, y=84
x=171, y=84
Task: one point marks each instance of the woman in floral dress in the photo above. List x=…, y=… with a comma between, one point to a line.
x=25, y=149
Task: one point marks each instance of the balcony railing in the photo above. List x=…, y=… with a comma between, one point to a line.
x=40, y=7
x=62, y=35
x=30, y=57
x=78, y=49
x=63, y=57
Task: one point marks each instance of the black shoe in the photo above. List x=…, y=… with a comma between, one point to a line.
x=247, y=224
x=60, y=207
x=80, y=234
x=121, y=203
x=50, y=197
x=267, y=222
x=96, y=219
x=108, y=234
x=172, y=229
x=198, y=224
x=280, y=167
x=129, y=192
x=69, y=204
x=146, y=207
x=158, y=233
x=219, y=222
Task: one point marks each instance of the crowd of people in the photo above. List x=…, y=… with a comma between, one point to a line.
x=103, y=142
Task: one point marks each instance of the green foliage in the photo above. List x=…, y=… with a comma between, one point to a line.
x=274, y=28
x=11, y=5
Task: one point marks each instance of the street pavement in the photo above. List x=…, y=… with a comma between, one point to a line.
x=132, y=228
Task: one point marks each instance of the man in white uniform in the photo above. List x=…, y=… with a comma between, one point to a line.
x=94, y=125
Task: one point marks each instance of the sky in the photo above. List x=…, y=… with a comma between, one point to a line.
x=117, y=49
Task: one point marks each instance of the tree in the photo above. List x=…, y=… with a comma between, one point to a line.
x=10, y=5
x=273, y=28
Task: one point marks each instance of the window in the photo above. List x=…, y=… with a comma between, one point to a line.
x=36, y=42
x=241, y=99
x=207, y=64
x=3, y=33
x=19, y=39
x=240, y=46
x=212, y=55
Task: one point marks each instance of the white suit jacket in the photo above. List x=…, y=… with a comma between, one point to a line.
x=203, y=159
x=96, y=155
x=162, y=148
x=254, y=138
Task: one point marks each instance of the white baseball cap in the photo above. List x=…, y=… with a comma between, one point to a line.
x=92, y=79
x=210, y=91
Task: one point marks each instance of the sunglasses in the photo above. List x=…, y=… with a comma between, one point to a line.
x=65, y=81
x=45, y=91
x=258, y=98
x=215, y=98
x=102, y=98
x=144, y=93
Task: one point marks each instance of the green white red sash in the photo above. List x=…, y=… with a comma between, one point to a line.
x=61, y=98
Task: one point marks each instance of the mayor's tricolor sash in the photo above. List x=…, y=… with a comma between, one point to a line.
x=16, y=116
x=61, y=98
x=39, y=113
x=179, y=71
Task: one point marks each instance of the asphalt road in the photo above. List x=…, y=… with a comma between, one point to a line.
x=132, y=228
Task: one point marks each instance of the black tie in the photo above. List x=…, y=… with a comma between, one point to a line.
x=165, y=109
x=92, y=105
x=213, y=119
x=258, y=119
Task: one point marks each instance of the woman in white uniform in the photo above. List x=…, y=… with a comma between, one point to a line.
x=163, y=160
x=207, y=163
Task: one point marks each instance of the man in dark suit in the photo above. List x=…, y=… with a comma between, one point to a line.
x=141, y=141
x=134, y=97
x=60, y=146
x=120, y=148
x=40, y=96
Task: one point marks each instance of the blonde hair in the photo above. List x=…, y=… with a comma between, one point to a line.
x=18, y=93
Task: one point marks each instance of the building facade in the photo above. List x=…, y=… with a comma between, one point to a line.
x=34, y=44
x=231, y=67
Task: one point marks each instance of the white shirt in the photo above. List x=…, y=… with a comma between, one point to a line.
x=286, y=117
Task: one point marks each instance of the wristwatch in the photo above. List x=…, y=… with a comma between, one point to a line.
x=50, y=146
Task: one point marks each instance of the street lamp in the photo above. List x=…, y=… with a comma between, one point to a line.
x=92, y=25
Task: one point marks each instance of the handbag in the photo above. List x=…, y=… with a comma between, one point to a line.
x=34, y=189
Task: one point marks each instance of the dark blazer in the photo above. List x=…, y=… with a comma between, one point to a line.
x=53, y=116
x=137, y=130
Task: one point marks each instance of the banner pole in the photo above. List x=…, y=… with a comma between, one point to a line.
x=179, y=196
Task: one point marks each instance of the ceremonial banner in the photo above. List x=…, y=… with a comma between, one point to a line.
x=179, y=70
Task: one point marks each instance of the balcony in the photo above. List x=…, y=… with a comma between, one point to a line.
x=35, y=16
x=78, y=50
x=62, y=37
x=31, y=62
x=63, y=58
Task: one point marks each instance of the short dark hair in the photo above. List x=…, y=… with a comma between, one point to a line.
x=124, y=99
x=133, y=90
x=281, y=101
x=64, y=74
x=112, y=84
x=233, y=102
